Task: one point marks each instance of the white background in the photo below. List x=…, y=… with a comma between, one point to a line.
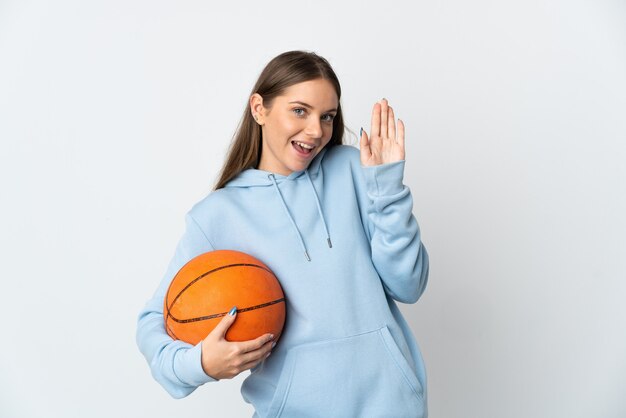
x=115, y=117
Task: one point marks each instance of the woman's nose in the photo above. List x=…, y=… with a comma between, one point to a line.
x=314, y=128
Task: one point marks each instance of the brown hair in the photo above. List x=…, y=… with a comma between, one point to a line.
x=283, y=71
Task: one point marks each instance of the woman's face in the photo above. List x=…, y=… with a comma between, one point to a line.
x=297, y=126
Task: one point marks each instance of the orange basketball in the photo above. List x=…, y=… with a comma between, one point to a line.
x=207, y=287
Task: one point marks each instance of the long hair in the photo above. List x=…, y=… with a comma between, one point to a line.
x=280, y=73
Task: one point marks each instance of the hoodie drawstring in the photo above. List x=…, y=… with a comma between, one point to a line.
x=306, y=253
x=293, y=222
x=319, y=209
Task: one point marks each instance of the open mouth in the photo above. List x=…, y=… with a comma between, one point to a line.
x=303, y=148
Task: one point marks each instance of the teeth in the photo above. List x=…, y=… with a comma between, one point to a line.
x=304, y=145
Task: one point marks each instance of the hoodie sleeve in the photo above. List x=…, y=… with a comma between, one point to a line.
x=398, y=253
x=176, y=365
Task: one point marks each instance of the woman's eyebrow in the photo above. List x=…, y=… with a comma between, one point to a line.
x=309, y=106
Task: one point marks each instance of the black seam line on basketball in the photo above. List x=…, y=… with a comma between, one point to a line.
x=203, y=318
x=206, y=274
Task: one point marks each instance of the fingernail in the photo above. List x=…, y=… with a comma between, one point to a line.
x=361, y=133
x=268, y=354
x=233, y=311
x=274, y=344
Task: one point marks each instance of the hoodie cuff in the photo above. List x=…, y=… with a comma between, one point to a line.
x=188, y=366
x=384, y=179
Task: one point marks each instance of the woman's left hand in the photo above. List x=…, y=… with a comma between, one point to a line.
x=385, y=145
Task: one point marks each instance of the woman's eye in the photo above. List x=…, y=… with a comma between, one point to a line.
x=328, y=118
x=298, y=111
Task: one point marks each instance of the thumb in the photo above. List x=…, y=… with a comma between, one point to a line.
x=364, y=146
x=222, y=327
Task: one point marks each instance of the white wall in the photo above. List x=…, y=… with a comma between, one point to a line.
x=114, y=118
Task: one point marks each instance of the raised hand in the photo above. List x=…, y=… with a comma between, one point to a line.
x=385, y=145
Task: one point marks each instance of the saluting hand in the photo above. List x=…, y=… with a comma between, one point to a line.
x=385, y=145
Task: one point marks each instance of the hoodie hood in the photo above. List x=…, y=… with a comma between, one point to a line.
x=253, y=177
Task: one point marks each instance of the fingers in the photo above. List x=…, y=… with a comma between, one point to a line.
x=385, y=142
x=384, y=115
x=375, y=128
x=257, y=355
x=222, y=327
x=222, y=359
x=383, y=121
x=252, y=345
x=391, y=123
x=366, y=152
x=401, y=133
x=252, y=364
x=247, y=354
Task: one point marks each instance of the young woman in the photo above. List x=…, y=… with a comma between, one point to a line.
x=336, y=227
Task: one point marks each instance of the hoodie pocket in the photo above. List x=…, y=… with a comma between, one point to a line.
x=360, y=375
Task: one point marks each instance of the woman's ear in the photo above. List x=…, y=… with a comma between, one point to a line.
x=256, y=108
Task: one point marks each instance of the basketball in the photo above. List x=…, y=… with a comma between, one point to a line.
x=208, y=286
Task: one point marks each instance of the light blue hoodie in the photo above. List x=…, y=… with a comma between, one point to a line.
x=343, y=242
